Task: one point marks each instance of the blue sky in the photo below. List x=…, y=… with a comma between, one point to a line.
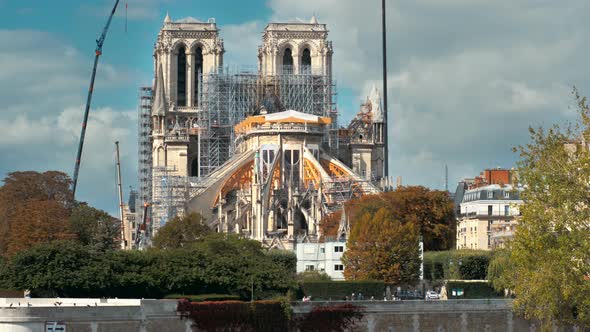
x=467, y=77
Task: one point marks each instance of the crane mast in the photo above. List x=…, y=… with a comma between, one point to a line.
x=120, y=189
x=98, y=53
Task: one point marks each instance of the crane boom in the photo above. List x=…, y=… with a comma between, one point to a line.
x=98, y=52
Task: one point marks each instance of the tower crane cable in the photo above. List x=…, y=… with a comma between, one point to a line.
x=98, y=53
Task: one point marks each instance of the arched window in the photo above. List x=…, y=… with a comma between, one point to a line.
x=198, y=74
x=287, y=61
x=306, y=62
x=181, y=78
x=195, y=167
x=161, y=157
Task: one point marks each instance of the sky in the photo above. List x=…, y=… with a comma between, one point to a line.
x=466, y=77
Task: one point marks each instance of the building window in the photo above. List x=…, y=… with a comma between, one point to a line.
x=339, y=249
x=198, y=73
x=195, y=167
x=490, y=194
x=288, y=61
x=306, y=62
x=338, y=267
x=181, y=78
x=309, y=267
x=506, y=210
x=490, y=209
x=322, y=250
x=506, y=194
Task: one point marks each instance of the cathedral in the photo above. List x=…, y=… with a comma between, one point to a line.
x=256, y=153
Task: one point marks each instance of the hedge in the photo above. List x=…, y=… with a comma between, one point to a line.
x=456, y=264
x=472, y=290
x=204, y=297
x=338, y=290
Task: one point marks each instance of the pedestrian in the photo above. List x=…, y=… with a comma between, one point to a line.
x=352, y=297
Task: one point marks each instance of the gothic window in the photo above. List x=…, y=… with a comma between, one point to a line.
x=287, y=61
x=161, y=157
x=198, y=73
x=306, y=62
x=181, y=78
x=292, y=166
x=195, y=167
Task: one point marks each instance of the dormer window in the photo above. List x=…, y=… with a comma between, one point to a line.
x=490, y=194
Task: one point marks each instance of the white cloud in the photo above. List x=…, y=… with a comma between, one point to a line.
x=466, y=78
x=45, y=83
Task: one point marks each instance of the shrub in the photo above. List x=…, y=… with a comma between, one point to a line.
x=330, y=318
x=267, y=316
x=235, y=315
x=456, y=264
x=313, y=276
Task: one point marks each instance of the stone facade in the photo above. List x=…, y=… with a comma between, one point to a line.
x=488, y=216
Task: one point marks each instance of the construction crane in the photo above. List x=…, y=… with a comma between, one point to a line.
x=98, y=53
x=141, y=232
x=120, y=189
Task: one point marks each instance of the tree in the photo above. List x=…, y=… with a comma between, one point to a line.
x=550, y=252
x=94, y=227
x=33, y=209
x=431, y=211
x=381, y=247
x=180, y=232
x=36, y=222
x=60, y=268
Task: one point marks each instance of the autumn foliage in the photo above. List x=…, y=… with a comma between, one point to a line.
x=385, y=231
x=382, y=247
x=37, y=208
x=34, y=209
x=430, y=210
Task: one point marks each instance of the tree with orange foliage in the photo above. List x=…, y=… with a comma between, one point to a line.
x=382, y=247
x=430, y=210
x=34, y=208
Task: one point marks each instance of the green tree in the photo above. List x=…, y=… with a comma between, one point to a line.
x=550, y=252
x=313, y=276
x=180, y=232
x=94, y=227
x=381, y=247
x=61, y=268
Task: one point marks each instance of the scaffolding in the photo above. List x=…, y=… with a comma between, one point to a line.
x=225, y=98
x=229, y=97
x=170, y=193
x=144, y=171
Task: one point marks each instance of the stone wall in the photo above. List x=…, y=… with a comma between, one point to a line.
x=92, y=315
x=439, y=316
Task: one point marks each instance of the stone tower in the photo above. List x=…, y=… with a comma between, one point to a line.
x=186, y=51
x=295, y=48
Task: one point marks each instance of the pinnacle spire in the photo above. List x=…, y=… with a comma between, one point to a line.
x=159, y=105
x=167, y=19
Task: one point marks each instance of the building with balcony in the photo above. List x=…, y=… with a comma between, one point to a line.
x=488, y=216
